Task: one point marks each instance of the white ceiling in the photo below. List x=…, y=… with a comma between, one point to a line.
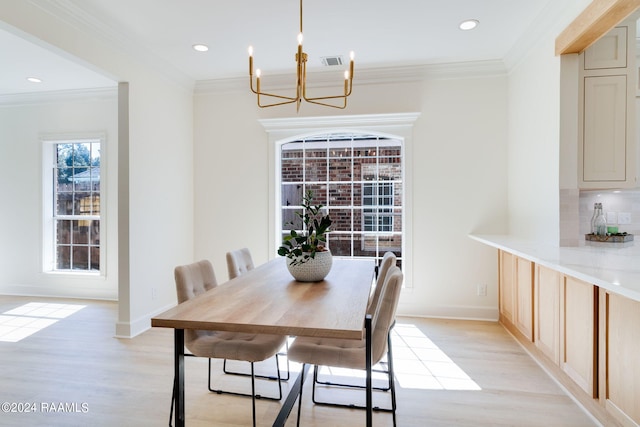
x=382, y=34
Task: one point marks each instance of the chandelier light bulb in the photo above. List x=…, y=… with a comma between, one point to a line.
x=258, y=72
x=346, y=75
x=250, y=50
x=300, y=38
x=352, y=55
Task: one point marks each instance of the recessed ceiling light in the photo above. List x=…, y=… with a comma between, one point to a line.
x=201, y=47
x=34, y=80
x=469, y=24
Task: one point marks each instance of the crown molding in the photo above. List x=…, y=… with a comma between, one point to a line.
x=81, y=19
x=52, y=97
x=369, y=121
x=550, y=21
x=395, y=124
x=367, y=76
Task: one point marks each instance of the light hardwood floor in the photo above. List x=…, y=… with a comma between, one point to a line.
x=449, y=373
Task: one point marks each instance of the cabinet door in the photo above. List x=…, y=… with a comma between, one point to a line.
x=579, y=333
x=507, y=288
x=524, y=297
x=547, y=312
x=604, y=151
x=610, y=51
x=607, y=120
x=623, y=349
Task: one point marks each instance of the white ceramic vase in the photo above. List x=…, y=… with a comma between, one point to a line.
x=312, y=270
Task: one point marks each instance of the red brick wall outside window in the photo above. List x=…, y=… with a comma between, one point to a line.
x=358, y=179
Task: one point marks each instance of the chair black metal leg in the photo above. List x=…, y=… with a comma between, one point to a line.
x=349, y=385
x=253, y=394
x=358, y=386
x=392, y=378
x=277, y=378
x=391, y=388
x=265, y=377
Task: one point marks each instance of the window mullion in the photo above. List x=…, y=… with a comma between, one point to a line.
x=364, y=223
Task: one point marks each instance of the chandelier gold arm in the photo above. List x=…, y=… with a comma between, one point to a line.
x=348, y=85
x=301, y=82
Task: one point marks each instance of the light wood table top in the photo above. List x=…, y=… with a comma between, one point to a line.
x=267, y=300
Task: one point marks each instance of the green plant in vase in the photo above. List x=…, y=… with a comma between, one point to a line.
x=303, y=246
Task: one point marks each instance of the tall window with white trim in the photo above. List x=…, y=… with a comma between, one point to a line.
x=358, y=178
x=72, y=206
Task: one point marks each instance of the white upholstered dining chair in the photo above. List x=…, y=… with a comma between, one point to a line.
x=239, y=262
x=388, y=260
x=350, y=354
x=194, y=279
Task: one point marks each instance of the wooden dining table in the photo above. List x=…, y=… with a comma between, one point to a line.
x=268, y=300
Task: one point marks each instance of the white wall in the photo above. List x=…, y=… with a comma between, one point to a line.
x=457, y=169
x=21, y=127
x=485, y=155
x=533, y=155
x=156, y=226
x=534, y=128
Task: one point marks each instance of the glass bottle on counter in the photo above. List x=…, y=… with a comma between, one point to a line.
x=593, y=217
x=600, y=222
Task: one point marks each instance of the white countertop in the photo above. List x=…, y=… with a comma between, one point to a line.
x=612, y=266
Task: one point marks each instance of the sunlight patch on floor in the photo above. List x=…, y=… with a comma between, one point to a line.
x=32, y=317
x=420, y=364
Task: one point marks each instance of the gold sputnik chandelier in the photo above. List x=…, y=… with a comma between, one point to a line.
x=335, y=101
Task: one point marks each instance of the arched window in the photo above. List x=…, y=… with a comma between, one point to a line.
x=358, y=178
x=355, y=166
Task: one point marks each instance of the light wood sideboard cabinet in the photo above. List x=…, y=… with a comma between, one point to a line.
x=516, y=293
x=578, y=320
x=586, y=337
x=506, y=287
x=566, y=326
x=620, y=357
x=524, y=295
x=547, y=312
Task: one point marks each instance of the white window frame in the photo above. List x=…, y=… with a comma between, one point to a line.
x=48, y=143
x=398, y=126
x=384, y=211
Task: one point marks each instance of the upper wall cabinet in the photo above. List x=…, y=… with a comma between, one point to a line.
x=609, y=52
x=607, y=120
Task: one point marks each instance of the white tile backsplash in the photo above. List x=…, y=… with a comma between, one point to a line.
x=569, y=223
x=613, y=202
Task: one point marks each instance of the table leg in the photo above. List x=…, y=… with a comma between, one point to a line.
x=369, y=357
x=291, y=398
x=179, y=376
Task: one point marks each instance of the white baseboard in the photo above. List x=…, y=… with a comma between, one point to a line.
x=139, y=325
x=489, y=314
x=59, y=292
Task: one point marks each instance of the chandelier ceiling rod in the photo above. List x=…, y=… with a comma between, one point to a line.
x=335, y=101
